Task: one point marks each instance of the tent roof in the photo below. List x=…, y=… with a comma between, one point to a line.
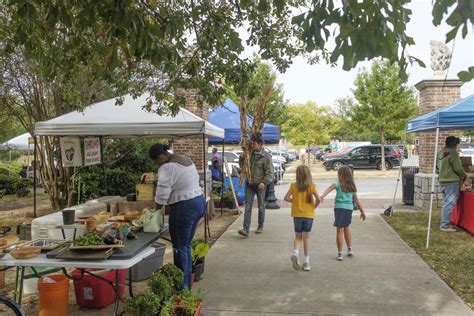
x=126, y=120
x=227, y=116
x=18, y=142
x=459, y=115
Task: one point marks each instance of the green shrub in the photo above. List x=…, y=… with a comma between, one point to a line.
x=9, y=183
x=161, y=286
x=10, y=168
x=174, y=275
x=143, y=304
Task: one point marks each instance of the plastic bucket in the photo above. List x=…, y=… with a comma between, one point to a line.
x=53, y=297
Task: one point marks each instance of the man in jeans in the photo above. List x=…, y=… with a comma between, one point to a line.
x=261, y=168
x=450, y=175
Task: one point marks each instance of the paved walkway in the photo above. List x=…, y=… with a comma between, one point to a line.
x=253, y=276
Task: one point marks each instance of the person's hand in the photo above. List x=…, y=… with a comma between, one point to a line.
x=362, y=215
x=261, y=186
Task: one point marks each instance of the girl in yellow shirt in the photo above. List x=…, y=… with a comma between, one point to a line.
x=304, y=199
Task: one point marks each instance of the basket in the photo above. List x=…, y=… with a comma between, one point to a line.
x=25, y=252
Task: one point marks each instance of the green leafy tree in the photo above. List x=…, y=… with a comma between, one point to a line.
x=161, y=46
x=385, y=104
x=309, y=124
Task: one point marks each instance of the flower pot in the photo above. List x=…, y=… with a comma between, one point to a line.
x=198, y=269
x=177, y=310
x=231, y=204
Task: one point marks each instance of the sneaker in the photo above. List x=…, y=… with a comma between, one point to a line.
x=296, y=264
x=447, y=229
x=244, y=232
x=339, y=257
x=350, y=253
x=259, y=230
x=306, y=266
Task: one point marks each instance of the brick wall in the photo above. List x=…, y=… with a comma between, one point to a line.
x=434, y=94
x=192, y=146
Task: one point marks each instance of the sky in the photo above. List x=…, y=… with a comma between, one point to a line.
x=324, y=84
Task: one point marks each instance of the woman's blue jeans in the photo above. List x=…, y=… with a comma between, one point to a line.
x=184, y=217
x=451, y=195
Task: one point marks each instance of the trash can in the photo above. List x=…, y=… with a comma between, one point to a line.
x=408, y=184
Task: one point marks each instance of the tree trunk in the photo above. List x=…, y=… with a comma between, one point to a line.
x=382, y=149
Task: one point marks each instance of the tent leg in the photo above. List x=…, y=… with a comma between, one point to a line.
x=207, y=231
x=435, y=158
x=222, y=174
x=34, y=176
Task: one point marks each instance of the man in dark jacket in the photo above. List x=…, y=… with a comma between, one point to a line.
x=261, y=175
x=450, y=175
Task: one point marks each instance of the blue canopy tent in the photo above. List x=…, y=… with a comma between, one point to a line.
x=227, y=116
x=458, y=116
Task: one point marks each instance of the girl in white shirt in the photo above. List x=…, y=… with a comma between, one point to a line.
x=178, y=187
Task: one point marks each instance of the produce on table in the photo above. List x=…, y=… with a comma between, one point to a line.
x=91, y=238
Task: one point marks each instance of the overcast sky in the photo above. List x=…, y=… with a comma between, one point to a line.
x=323, y=84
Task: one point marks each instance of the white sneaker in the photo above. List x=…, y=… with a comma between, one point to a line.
x=339, y=257
x=306, y=266
x=296, y=264
x=350, y=253
x=448, y=229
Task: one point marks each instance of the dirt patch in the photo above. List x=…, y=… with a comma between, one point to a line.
x=218, y=225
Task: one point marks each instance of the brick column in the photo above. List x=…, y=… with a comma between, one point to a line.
x=433, y=94
x=192, y=146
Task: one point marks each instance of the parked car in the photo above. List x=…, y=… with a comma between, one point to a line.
x=403, y=150
x=293, y=153
x=364, y=157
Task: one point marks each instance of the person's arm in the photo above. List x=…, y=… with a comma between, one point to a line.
x=268, y=172
x=288, y=196
x=457, y=167
x=355, y=198
x=317, y=199
x=163, y=187
x=328, y=190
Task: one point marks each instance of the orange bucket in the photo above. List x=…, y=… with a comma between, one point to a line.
x=53, y=297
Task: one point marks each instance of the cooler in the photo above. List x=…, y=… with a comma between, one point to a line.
x=95, y=293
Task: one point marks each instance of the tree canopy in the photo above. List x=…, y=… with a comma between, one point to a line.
x=160, y=46
x=309, y=124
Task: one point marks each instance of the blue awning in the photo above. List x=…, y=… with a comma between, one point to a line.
x=459, y=115
x=227, y=116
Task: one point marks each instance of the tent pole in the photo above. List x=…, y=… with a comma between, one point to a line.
x=435, y=158
x=206, y=215
x=222, y=175
x=34, y=176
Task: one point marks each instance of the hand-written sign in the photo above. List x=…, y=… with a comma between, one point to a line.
x=91, y=151
x=71, y=151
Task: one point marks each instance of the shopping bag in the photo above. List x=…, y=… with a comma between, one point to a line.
x=152, y=220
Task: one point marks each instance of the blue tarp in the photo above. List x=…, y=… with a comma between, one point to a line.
x=459, y=115
x=227, y=116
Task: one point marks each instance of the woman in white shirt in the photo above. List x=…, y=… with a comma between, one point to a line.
x=178, y=187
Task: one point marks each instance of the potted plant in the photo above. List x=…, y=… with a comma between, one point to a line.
x=147, y=303
x=228, y=197
x=185, y=303
x=199, y=250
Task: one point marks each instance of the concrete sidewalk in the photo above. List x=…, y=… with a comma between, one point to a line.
x=253, y=276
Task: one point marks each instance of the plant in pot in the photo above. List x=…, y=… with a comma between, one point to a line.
x=185, y=303
x=228, y=197
x=199, y=250
x=146, y=303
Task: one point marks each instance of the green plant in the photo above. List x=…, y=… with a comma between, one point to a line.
x=184, y=303
x=147, y=303
x=228, y=195
x=174, y=275
x=199, y=249
x=161, y=286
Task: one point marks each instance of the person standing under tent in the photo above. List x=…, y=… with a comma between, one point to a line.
x=450, y=175
x=261, y=168
x=178, y=187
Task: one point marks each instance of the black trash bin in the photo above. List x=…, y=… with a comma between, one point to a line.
x=408, y=184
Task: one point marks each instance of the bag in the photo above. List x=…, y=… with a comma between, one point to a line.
x=152, y=220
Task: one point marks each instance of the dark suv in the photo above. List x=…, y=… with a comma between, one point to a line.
x=365, y=157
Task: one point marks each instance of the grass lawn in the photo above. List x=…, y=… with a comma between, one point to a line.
x=451, y=255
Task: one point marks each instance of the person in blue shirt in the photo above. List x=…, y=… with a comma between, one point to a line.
x=346, y=197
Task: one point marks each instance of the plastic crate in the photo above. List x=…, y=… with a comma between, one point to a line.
x=143, y=270
x=95, y=293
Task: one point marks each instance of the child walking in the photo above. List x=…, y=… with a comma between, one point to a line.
x=303, y=198
x=346, y=197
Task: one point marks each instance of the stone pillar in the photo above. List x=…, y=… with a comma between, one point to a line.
x=192, y=146
x=433, y=94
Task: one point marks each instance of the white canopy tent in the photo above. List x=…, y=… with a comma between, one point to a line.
x=127, y=120
x=130, y=119
x=18, y=142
